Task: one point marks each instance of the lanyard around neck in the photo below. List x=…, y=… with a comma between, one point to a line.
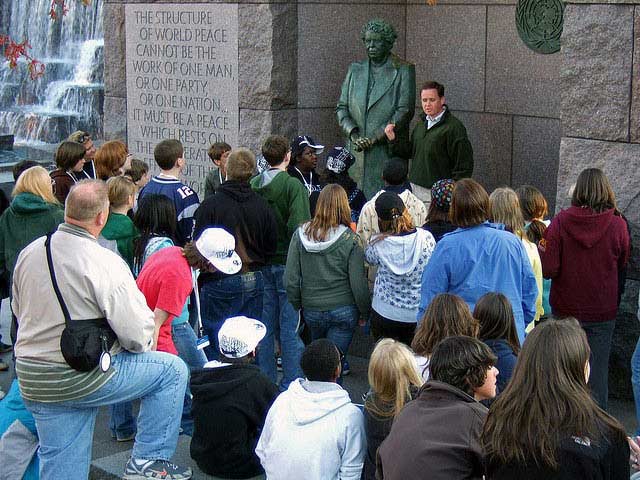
x=309, y=184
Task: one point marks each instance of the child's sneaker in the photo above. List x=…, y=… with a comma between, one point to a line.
x=157, y=469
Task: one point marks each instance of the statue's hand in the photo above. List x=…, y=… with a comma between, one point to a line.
x=389, y=131
x=364, y=143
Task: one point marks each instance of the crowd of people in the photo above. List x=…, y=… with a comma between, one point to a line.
x=492, y=325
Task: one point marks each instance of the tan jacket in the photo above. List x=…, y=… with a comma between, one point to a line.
x=368, y=221
x=94, y=282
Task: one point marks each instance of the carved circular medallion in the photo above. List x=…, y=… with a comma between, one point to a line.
x=539, y=24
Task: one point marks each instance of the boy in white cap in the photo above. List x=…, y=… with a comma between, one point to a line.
x=240, y=395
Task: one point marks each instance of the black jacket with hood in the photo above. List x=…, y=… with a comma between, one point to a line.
x=230, y=404
x=244, y=214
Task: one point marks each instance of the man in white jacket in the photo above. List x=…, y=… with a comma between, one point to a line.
x=313, y=431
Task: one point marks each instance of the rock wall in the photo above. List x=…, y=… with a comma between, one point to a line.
x=600, y=116
x=505, y=93
x=267, y=55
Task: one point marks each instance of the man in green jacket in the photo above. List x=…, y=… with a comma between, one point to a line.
x=439, y=146
x=289, y=200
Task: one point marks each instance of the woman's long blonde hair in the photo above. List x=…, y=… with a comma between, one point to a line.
x=392, y=374
x=332, y=210
x=37, y=181
x=505, y=208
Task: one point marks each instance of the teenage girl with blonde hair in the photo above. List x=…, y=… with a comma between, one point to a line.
x=505, y=208
x=324, y=275
x=393, y=381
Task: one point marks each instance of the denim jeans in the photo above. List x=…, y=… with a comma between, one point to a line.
x=279, y=317
x=635, y=381
x=599, y=336
x=336, y=325
x=122, y=422
x=229, y=297
x=186, y=342
x=65, y=429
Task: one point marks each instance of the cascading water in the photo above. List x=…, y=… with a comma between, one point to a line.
x=70, y=95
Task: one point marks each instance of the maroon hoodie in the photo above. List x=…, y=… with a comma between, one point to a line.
x=582, y=252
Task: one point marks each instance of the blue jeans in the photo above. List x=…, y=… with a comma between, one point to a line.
x=279, y=316
x=599, y=336
x=186, y=342
x=336, y=325
x=122, y=422
x=635, y=381
x=229, y=297
x=65, y=429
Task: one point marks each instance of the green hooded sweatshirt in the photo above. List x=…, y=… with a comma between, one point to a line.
x=27, y=218
x=290, y=202
x=325, y=275
x=121, y=230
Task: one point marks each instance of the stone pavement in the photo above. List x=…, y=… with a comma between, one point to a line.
x=109, y=456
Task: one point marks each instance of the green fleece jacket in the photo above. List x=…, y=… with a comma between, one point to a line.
x=443, y=151
x=326, y=275
x=121, y=230
x=289, y=200
x=28, y=218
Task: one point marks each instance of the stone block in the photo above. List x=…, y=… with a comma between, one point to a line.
x=115, y=118
x=329, y=41
x=518, y=81
x=321, y=124
x=267, y=55
x=459, y=65
x=257, y=125
x=115, y=79
x=536, y=151
x=624, y=341
x=597, y=44
x=635, y=88
x=490, y=136
x=617, y=160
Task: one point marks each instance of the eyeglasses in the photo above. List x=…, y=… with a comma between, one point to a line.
x=341, y=353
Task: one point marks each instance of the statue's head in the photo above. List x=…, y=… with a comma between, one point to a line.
x=378, y=37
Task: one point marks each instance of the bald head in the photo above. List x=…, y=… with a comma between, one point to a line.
x=85, y=201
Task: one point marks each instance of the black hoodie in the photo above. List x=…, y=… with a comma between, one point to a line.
x=230, y=404
x=244, y=214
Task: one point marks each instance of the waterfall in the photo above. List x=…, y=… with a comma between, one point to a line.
x=70, y=95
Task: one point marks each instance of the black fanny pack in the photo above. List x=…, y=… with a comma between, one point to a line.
x=85, y=344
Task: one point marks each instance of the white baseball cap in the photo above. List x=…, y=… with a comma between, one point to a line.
x=218, y=246
x=239, y=336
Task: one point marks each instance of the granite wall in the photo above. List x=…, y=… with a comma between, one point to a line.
x=506, y=94
x=600, y=117
x=293, y=57
x=267, y=54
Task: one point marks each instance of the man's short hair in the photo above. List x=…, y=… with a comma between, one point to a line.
x=461, y=362
x=431, y=85
x=377, y=25
x=320, y=360
x=469, y=204
x=86, y=200
x=217, y=149
x=274, y=149
x=20, y=167
x=167, y=153
x=241, y=164
x=395, y=171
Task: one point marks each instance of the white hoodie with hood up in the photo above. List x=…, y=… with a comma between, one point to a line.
x=313, y=432
x=400, y=260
